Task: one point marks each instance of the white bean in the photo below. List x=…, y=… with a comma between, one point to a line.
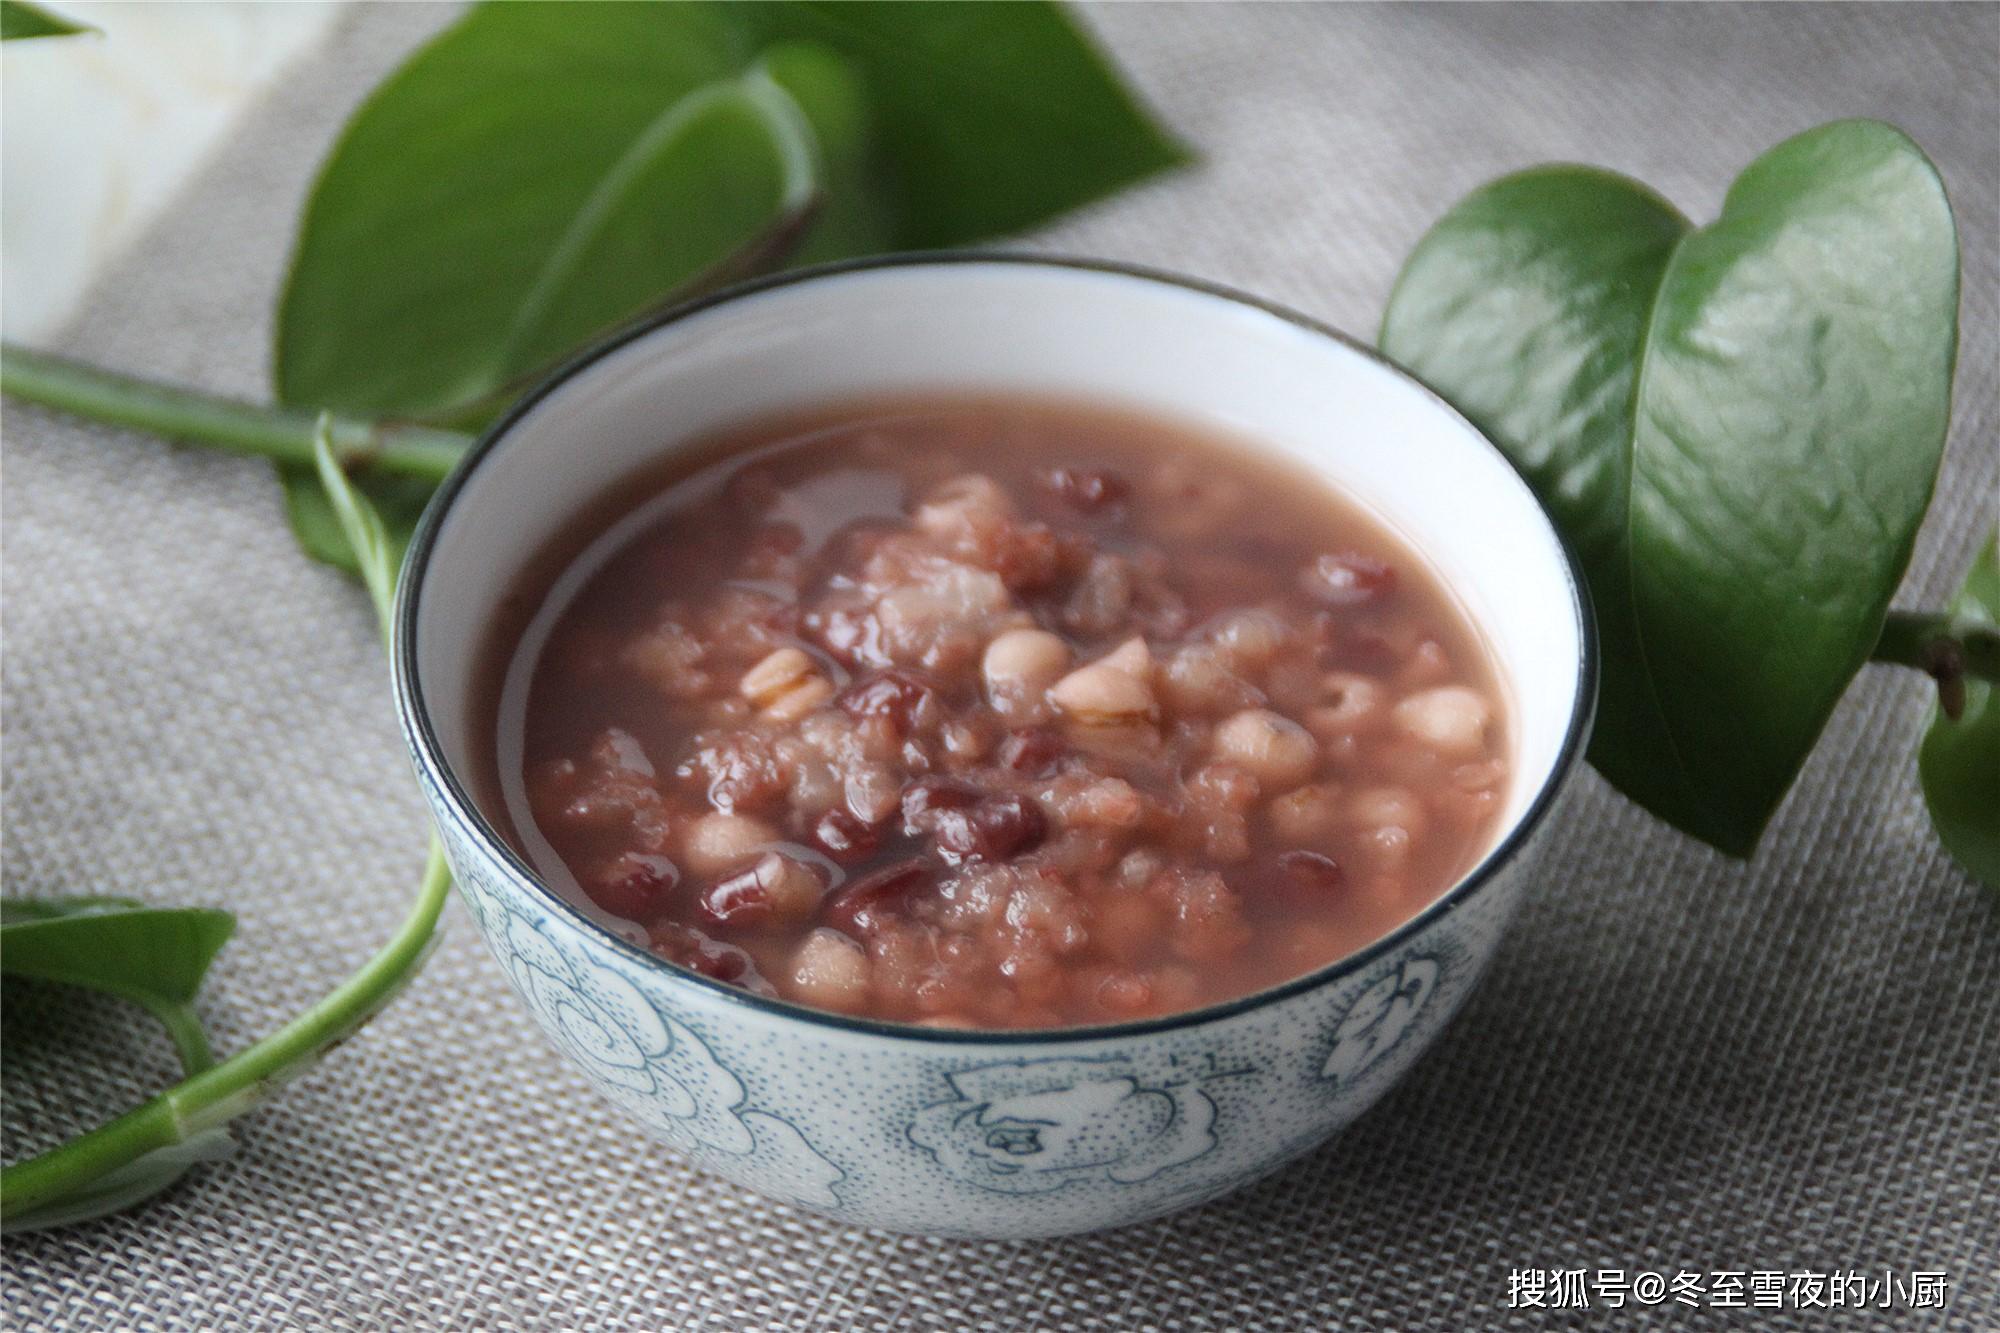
x=716, y=842
x=1354, y=702
x=830, y=971
x=1021, y=664
x=1115, y=688
x=1387, y=847
x=808, y=694
x=962, y=503
x=1450, y=718
x=1274, y=749
x=795, y=890
x=1250, y=638
x=1196, y=680
x=1427, y=665
x=1306, y=815
x=1386, y=807
x=773, y=676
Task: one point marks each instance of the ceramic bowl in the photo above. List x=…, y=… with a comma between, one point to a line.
x=993, y=1134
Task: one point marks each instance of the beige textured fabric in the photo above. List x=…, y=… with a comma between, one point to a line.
x=1678, y=1062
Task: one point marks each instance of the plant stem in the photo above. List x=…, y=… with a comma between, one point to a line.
x=1949, y=649
x=190, y=1041
x=281, y=434
x=218, y=1094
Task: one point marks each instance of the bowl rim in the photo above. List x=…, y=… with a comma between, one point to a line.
x=414, y=714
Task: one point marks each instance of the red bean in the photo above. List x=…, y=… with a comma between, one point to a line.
x=1033, y=751
x=772, y=890
x=1305, y=877
x=636, y=886
x=698, y=953
x=969, y=825
x=895, y=693
x=1031, y=557
x=935, y=793
x=844, y=837
x=863, y=905
x=1370, y=654
x=996, y=829
x=1350, y=579
x=738, y=900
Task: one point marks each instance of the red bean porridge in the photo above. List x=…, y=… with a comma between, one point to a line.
x=992, y=713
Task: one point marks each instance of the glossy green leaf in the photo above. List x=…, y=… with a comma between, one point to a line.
x=991, y=117
x=152, y=956
x=856, y=214
x=19, y=19
x=538, y=173
x=528, y=179
x=713, y=186
x=125, y=1159
x=156, y=956
x=1737, y=426
x=1960, y=761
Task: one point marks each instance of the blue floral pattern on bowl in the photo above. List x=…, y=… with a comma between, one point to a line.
x=943, y=1133
x=1380, y=1017
x=647, y=1062
x=1027, y=1126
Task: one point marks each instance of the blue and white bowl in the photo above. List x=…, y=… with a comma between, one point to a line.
x=991, y=1133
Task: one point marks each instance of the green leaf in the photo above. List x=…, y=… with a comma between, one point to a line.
x=376, y=554
x=114, y=945
x=856, y=215
x=531, y=177
x=1959, y=762
x=120, y=1161
x=992, y=117
x=1738, y=427
x=19, y=19
x=719, y=181
x=151, y=956
x=539, y=173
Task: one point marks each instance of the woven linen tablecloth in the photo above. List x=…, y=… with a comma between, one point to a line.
x=1677, y=1063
